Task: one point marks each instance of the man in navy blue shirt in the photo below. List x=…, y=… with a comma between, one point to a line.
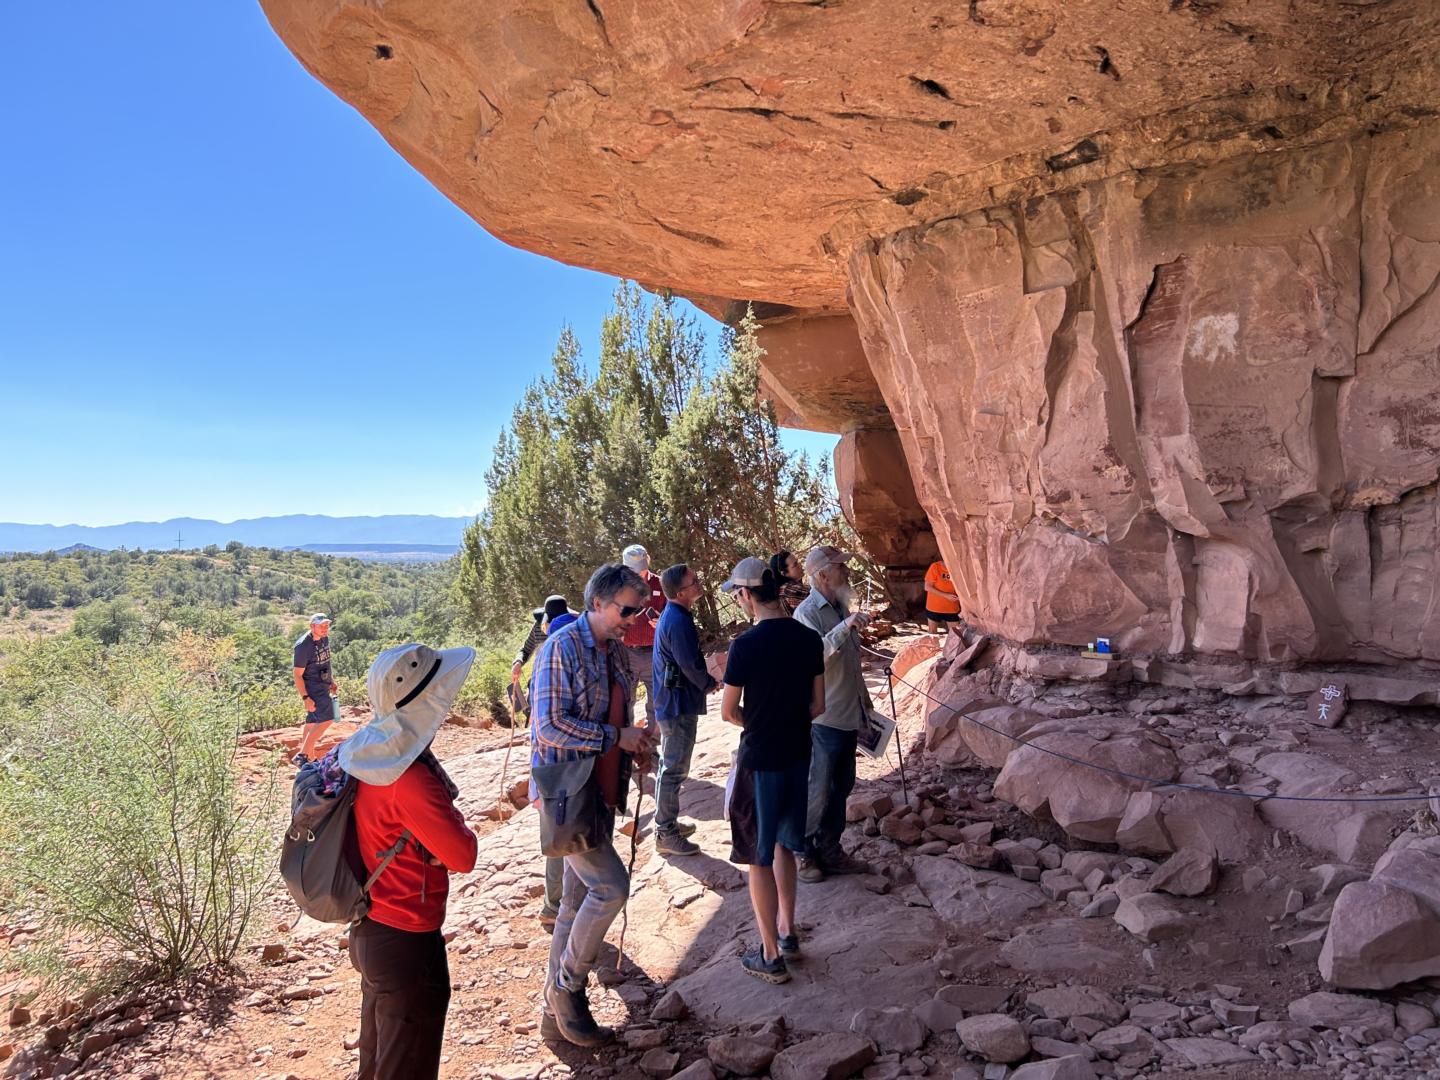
x=316, y=685
x=681, y=683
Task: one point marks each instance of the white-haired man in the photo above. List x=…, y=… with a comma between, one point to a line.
x=834, y=733
x=639, y=640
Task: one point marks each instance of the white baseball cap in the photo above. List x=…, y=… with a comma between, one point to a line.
x=636, y=558
x=825, y=555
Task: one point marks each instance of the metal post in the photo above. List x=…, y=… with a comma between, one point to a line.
x=895, y=715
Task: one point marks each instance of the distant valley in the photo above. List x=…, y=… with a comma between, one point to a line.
x=388, y=537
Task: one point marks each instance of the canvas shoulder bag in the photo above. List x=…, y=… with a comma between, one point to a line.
x=573, y=815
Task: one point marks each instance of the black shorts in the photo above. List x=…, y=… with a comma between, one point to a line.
x=768, y=808
x=942, y=616
x=324, y=709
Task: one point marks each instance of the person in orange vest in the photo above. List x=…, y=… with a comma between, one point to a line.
x=941, y=603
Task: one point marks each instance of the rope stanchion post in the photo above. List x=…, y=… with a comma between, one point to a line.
x=895, y=716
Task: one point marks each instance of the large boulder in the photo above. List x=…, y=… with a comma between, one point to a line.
x=1386, y=931
x=991, y=731
x=1087, y=803
x=1348, y=831
x=1380, y=936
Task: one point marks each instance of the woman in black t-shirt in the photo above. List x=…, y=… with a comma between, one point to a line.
x=778, y=668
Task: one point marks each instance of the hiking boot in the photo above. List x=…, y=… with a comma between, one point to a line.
x=685, y=828
x=572, y=1017
x=838, y=862
x=771, y=971
x=549, y=1029
x=809, y=870
x=673, y=843
x=789, y=946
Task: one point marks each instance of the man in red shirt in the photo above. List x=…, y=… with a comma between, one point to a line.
x=639, y=639
x=398, y=948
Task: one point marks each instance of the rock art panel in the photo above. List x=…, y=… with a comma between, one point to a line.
x=1191, y=410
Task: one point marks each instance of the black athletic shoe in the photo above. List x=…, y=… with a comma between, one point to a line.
x=789, y=946
x=572, y=1017
x=772, y=971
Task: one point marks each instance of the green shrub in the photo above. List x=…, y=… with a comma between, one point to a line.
x=122, y=816
x=484, y=691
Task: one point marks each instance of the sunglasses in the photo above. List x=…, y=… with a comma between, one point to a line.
x=626, y=611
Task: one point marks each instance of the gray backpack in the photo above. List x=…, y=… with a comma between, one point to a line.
x=320, y=855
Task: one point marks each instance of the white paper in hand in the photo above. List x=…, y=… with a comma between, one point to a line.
x=873, y=738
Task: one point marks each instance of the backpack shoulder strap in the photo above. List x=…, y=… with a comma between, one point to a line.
x=387, y=856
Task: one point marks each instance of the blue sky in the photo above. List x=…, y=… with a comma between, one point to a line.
x=223, y=295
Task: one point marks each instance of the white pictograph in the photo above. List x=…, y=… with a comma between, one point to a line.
x=1330, y=693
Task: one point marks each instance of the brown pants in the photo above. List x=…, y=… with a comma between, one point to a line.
x=404, y=995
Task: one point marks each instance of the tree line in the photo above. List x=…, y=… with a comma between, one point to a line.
x=661, y=444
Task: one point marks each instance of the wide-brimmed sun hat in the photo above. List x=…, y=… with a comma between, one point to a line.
x=411, y=690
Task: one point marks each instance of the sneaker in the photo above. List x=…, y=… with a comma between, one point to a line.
x=789, y=946
x=572, y=1016
x=771, y=971
x=809, y=870
x=674, y=844
x=685, y=828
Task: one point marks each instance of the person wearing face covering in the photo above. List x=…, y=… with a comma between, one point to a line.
x=398, y=948
x=834, y=734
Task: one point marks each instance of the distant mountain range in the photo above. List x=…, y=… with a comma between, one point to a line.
x=316, y=532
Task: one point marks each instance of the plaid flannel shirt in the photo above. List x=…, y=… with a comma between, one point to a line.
x=570, y=696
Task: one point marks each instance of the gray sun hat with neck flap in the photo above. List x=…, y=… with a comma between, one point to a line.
x=411, y=690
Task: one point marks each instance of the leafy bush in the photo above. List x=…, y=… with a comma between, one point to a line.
x=122, y=817
x=108, y=621
x=484, y=690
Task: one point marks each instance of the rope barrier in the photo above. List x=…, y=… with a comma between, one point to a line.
x=1155, y=780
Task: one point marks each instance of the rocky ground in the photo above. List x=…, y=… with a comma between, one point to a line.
x=1100, y=931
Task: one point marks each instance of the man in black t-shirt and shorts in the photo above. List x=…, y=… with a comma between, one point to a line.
x=315, y=684
x=778, y=667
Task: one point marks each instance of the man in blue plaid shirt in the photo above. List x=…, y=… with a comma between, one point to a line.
x=574, y=675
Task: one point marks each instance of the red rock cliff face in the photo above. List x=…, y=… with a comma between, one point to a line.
x=1129, y=307
x=1196, y=409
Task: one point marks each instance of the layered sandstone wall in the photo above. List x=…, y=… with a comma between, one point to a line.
x=1191, y=409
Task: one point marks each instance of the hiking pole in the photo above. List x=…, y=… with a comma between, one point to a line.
x=630, y=869
x=895, y=715
x=504, y=800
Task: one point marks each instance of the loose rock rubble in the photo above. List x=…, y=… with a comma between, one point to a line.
x=985, y=941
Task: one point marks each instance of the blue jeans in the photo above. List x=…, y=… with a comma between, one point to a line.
x=596, y=888
x=554, y=877
x=677, y=744
x=832, y=779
